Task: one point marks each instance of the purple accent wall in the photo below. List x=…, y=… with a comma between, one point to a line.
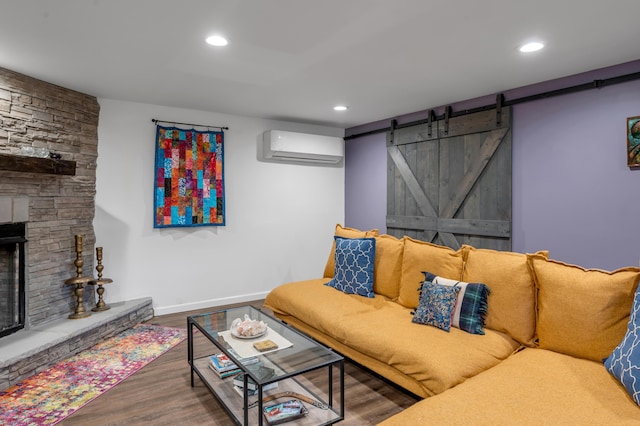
x=366, y=182
x=572, y=191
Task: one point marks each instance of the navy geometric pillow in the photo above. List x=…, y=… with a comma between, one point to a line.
x=436, y=305
x=354, y=266
x=471, y=308
x=624, y=362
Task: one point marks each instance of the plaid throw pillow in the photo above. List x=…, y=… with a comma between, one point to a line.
x=471, y=308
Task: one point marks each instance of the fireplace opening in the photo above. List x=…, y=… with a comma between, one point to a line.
x=12, y=278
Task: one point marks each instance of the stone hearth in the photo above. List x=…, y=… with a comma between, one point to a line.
x=30, y=351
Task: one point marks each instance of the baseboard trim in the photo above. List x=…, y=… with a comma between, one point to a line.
x=172, y=309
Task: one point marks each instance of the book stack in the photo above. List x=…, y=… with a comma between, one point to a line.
x=223, y=366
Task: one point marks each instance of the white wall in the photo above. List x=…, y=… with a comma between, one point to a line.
x=280, y=218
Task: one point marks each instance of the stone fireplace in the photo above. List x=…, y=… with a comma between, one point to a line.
x=51, y=200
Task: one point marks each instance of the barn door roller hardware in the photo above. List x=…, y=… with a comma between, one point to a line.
x=430, y=117
x=447, y=115
x=394, y=124
x=499, y=102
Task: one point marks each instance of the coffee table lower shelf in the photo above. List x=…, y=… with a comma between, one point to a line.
x=225, y=392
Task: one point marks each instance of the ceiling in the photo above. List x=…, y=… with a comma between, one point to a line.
x=295, y=59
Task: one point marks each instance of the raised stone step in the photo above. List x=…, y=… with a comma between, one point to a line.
x=30, y=351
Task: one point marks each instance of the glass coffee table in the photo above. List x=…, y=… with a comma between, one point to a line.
x=258, y=379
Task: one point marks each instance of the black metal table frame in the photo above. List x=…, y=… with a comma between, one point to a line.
x=330, y=365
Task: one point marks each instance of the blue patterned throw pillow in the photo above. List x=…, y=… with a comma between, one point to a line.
x=354, y=266
x=624, y=362
x=436, y=305
x=471, y=307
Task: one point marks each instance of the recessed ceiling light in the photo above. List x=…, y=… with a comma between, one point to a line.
x=217, y=40
x=340, y=108
x=533, y=46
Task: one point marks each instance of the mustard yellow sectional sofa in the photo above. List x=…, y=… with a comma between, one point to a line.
x=547, y=328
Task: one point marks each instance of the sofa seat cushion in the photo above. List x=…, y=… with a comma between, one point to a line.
x=381, y=329
x=373, y=364
x=436, y=359
x=534, y=386
x=320, y=306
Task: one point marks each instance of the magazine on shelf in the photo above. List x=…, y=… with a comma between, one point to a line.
x=284, y=412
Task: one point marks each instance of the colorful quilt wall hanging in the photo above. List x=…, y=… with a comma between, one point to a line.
x=189, y=182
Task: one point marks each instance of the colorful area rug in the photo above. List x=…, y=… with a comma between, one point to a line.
x=48, y=397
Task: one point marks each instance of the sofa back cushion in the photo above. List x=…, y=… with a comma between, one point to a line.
x=388, y=266
x=344, y=232
x=582, y=312
x=420, y=256
x=512, y=301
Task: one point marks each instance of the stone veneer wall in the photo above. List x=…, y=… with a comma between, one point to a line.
x=39, y=114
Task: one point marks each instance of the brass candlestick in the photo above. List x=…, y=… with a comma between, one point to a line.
x=78, y=282
x=100, y=306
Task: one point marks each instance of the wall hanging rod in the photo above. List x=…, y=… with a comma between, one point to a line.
x=595, y=84
x=188, y=124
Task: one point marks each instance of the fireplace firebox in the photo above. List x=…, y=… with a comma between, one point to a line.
x=12, y=278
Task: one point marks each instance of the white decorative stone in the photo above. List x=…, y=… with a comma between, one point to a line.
x=248, y=327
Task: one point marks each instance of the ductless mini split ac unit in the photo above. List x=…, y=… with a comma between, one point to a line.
x=280, y=145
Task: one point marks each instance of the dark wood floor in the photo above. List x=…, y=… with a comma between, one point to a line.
x=161, y=394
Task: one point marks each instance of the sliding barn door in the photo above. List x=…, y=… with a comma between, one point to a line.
x=450, y=182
